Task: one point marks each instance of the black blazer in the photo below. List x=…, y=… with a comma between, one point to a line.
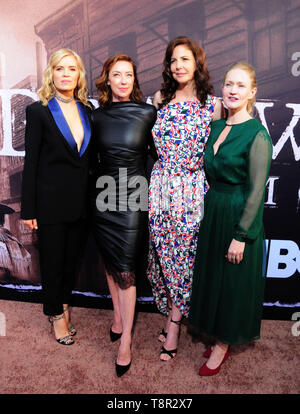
x=54, y=186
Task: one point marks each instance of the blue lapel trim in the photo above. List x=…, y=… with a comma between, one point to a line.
x=65, y=129
x=86, y=127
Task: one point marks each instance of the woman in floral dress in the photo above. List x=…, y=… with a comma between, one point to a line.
x=177, y=186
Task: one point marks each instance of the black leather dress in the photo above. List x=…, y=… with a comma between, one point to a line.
x=122, y=139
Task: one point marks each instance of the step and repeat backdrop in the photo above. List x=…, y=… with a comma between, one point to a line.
x=264, y=33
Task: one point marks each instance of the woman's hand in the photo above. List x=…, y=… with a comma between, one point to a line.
x=235, y=251
x=32, y=224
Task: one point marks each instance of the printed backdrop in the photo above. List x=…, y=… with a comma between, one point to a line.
x=264, y=33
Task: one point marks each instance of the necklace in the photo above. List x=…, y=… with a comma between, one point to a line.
x=63, y=99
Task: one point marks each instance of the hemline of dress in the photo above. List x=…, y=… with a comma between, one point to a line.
x=124, y=279
x=224, y=341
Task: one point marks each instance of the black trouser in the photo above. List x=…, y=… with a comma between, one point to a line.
x=60, y=247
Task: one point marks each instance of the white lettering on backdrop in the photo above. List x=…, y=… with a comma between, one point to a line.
x=8, y=150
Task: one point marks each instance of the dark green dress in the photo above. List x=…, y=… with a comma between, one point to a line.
x=227, y=299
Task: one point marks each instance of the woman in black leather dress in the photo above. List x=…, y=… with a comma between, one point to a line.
x=122, y=137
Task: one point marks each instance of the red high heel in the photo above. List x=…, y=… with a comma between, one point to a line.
x=204, y=371
x=207, y=352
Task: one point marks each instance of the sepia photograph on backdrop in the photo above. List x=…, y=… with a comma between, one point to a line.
x=263, y=33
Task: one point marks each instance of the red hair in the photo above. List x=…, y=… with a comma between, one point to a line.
x=105, y=93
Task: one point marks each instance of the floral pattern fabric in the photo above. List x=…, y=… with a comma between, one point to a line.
x=176, y=194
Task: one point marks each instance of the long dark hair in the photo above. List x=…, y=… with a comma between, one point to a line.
x=105, y=93
x=201, y=75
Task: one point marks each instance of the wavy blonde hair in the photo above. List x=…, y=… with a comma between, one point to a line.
x=252, y=75
x=48, y=90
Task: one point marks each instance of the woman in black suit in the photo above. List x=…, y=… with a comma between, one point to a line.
x=57, y=142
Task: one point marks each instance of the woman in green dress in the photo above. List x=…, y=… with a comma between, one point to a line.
x=229, y=277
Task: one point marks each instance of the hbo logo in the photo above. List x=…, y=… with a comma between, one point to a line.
x=284, y=258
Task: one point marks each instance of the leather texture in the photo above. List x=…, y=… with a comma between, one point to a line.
x=122, y=139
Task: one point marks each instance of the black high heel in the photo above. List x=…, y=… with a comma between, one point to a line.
x=163, y=334
x=114, y=336
x=172, y=352
x=65, y=340
x=72, y=330
x=122, y=369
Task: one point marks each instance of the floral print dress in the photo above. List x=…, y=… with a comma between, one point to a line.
x=176, y=195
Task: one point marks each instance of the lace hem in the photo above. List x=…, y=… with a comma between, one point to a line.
x=123, y=279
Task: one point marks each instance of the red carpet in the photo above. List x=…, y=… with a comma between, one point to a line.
x=32, y=362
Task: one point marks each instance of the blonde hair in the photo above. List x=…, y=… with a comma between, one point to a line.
x=252, y=75
x=48, y=91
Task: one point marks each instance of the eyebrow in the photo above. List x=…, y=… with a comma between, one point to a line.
x=231, y=81
x=184, y=56
x=119, y=71
x=61, y=66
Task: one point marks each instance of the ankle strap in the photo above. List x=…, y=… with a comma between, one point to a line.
x=57, y=318
x=176, y=322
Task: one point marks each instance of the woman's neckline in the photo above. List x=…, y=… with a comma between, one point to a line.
x=183, y=102
x=125, y=103
x=238, y=123
x=121, y=102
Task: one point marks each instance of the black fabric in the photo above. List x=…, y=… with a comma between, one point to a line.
x=60, y=247
x=54, y=186
x=54, y=191
x=122, y=139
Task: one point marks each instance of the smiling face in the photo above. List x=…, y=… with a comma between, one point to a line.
x=66, y=74
x=237, y=90
x=121, y=80
x=183, y=64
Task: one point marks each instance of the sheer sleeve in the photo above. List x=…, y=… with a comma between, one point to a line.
x=259, y=165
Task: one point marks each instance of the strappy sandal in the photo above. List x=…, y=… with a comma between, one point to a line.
x=72, y=330
x=171, y=353
x=64, y=340
x=163, y=334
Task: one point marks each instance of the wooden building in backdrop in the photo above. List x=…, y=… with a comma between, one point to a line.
x=263, y=33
